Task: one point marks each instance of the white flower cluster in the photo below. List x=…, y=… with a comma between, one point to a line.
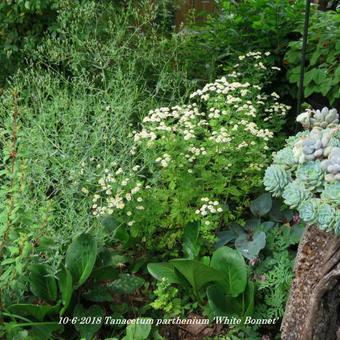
x=190, y=124
x=220, y=136
x=255, y=55
x=221, y=86
x=216, y=113
x=254, y=130
x=115, y=191
x=164, y=160
x=195, y=152
x=210, y=207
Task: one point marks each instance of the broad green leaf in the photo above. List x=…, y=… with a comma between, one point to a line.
x=66, y=288
x=138, y=331
x=244, y=303
x=294, y=74
x=225, y=237
x=164, y=270
x=216, y=301
x=319, y=75
x=98, y=294
x=261, y=205
x=250, y=248
x=81, y=257
x=87, y=331
x=106, y=273
x=325, y=87
x=197, y=273
x=42, y=284
x=279, y=213
x=231, y=263
x=126, y=284
x=220, y=304
x=29, y=310
x=315, y=56
x=191, y=240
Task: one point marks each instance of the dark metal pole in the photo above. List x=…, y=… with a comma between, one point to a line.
x=303, y=56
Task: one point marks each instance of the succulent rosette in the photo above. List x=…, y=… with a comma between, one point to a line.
x=310, y=174
x=319, y=118
x=285, y=157
x=326, y=216
x=306, y=172
x=337, y=223
x=316, y=145
x=309, y=210
x=332, y=165
x=331, y=193
x=294, y=194
x=275, y=179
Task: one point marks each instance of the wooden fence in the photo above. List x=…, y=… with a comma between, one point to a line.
x=184, y=7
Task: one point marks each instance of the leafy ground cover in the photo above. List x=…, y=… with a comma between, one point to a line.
x=131, y=175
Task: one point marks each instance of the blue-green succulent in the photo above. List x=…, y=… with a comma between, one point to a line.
x=332, y=165
x=319, y=118
x=309, y=209
x=331, y=193
x=275, y=179
x=316, y=145
x=285, y=157
x=294, y=194
x=310, y=174
x=337, y=223
x=306, y=172
x=326, y=216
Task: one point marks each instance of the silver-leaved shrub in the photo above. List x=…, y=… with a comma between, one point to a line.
x=306, y=173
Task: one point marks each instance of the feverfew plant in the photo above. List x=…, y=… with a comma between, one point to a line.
x=198, y=162
x=306, y=173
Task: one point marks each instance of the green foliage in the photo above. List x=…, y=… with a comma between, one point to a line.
x=137, y=332
x=222, y=304
x=224, y=276
x=22, y=24
x=69, y=110
x=250, y=238
x=81, y=273
x=167, y=298
x=87, y=331
x=274, y=271
x=42, y=285
x=126, y=284
x=98, y=182
x=242, y=26
x=261, y=205
x=185, y=151
x=322, y=56
x=80, y=258
x=311, y=183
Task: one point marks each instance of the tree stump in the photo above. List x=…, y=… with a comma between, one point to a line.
x=312, y=311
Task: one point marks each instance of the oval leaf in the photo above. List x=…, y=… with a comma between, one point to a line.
x=66, y=289
x=251, y=248
x=164, y=270
x=231, y=263
x=81, y=257
x=42, y=284
x=261, y=205
x=197, y=273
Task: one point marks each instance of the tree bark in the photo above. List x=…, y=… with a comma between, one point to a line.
x=312, y=311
